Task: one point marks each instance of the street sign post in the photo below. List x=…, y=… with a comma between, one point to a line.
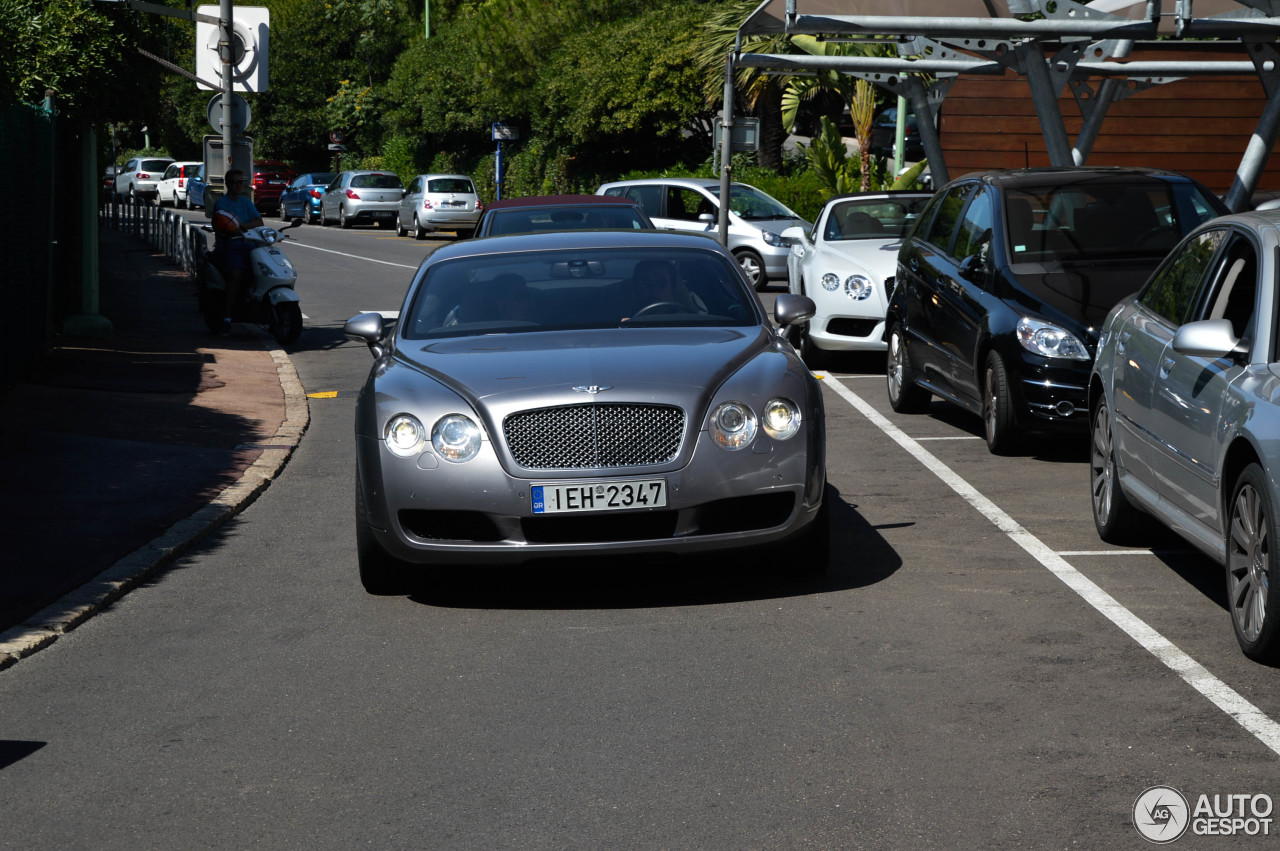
x=501, y=133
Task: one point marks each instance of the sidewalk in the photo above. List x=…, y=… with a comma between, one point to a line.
x=119, y=454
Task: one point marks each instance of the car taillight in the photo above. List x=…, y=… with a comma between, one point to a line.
x=352, y=195
x=315, y=193
x=181, y=182
x=142, y=175
x=426, y=203
x=479, y=207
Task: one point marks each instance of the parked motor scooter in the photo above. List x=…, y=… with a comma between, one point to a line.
x=268, y=297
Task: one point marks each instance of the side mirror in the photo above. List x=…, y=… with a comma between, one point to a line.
x=708, y=219
x=791, y=308
x=367, y=328
x=972, y=269
x=794, y=234
x=1208, y=338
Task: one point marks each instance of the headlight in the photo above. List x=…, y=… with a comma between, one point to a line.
x=266, y=271
x=830, y=282
x=733, y=425
x=456, y=438
x=857, y=287
x=781, y=419
x=771, y=238
x=1049, y=340
x=405, y=435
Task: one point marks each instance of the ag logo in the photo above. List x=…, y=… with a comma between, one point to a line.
x=1161, y=814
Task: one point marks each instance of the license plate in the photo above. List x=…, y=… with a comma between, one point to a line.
x=276, y=182
x=454, y=204
x=382, y=214
x=599, y=496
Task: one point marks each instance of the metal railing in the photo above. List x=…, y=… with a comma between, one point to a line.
x=181, y=240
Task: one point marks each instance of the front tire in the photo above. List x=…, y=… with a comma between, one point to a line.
x=401, y=230
x=286, y=325
x=904, y=396
x=1000, y=425
x=342, y=218
x=1113, y=515
x=380, y=573
x=753, y=266
x=419, y=232
x=1251, y=583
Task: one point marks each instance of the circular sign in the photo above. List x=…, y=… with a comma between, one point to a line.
x=337, y=137
x=240, y=113
x=1161, y=814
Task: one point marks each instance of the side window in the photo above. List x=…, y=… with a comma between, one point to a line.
x=944, y=223
x=648, y=197
x=170, y=172
x=1172, y=291
x=1235, y=286
x=687, y=204
x=415, y=186
x=974, y=236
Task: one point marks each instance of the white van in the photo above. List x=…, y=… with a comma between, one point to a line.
x=756, y=220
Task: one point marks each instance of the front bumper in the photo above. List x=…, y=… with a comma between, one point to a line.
x=1054, y=398
x=427, y=511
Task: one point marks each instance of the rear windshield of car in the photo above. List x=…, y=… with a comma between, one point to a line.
x=578, y=290
x=450, y=184
x=375, y=181
x=873, y=218
x=1086, y=221
x=190, y=170
x=752, y=204
x=593, y=217
x=154, y=165
x=324, y=179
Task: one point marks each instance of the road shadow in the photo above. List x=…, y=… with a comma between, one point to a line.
x=859, y=557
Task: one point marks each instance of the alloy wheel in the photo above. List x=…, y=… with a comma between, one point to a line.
x=1248, y=562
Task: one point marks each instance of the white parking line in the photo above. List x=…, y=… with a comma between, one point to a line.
x=1196, y=675
x=957, y=437
x=295, y=244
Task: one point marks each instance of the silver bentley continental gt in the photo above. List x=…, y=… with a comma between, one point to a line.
x=593, y=393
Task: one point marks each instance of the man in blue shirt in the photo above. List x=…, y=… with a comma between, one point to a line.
x=231, y=253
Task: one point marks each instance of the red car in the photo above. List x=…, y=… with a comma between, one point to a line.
x=270, y=179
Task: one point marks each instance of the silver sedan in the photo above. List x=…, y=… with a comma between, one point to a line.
x=1185, y=404
x=584, y=393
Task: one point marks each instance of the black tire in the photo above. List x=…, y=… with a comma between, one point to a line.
x=813, y=357
x=1000, y=425
x=401, y=230
x=810, y=551
x=905, y=396
x=342, y=218
x=308, y=217
x=286, y=325
x=283, y=216
x=324, y=220
x=1252, y=578
x=753, y=266
x=1114, y=516
x=380, y=573
x=419, y=232
x=466, y=233
x=211, y=309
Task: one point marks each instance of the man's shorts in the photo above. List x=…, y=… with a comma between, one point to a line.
x=232, y=255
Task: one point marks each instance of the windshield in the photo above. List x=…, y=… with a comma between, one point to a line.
x=578, y=290
x=749, y=203
x=451, y=184
x=1088, y=221
x=375, y=181
x=873, y=218
x=593, y=217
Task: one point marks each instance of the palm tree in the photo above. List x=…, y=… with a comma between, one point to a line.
x=761, y=92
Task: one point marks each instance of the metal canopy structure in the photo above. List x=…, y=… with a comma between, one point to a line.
x=1052, y=44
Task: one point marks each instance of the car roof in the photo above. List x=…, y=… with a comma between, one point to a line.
x=560, y=201
x=576, y=239
x=701, y=182
x=883, y=193
x=1049, y=176
x=437, y=174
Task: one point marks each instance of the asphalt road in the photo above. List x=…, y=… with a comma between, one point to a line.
x=976, y=670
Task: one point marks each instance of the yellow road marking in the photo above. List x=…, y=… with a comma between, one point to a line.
x=327, y=394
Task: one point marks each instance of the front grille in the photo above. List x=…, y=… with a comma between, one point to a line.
x=852, y=327
x=585, y=436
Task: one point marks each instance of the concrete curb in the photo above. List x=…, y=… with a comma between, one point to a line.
x=46, y=626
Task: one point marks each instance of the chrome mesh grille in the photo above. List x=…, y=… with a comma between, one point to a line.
x=581, y=436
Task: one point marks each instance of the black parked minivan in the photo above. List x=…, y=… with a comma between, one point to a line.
x=1004, y=281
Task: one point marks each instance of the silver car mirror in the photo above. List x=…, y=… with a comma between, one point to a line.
x=1208, y=338
x=367, y=328
x=791, y=308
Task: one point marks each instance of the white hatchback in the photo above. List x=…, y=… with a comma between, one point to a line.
x=173, y=185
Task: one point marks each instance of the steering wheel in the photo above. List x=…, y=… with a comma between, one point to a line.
x=660, y=307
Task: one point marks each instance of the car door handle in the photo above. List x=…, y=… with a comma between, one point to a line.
x=914, y=263
x=1122, y=343
x=1166, y=366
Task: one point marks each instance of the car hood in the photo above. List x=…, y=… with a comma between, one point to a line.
x=777, y=225
x=879, y=257
x=502, y=373
x=1083, y=292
